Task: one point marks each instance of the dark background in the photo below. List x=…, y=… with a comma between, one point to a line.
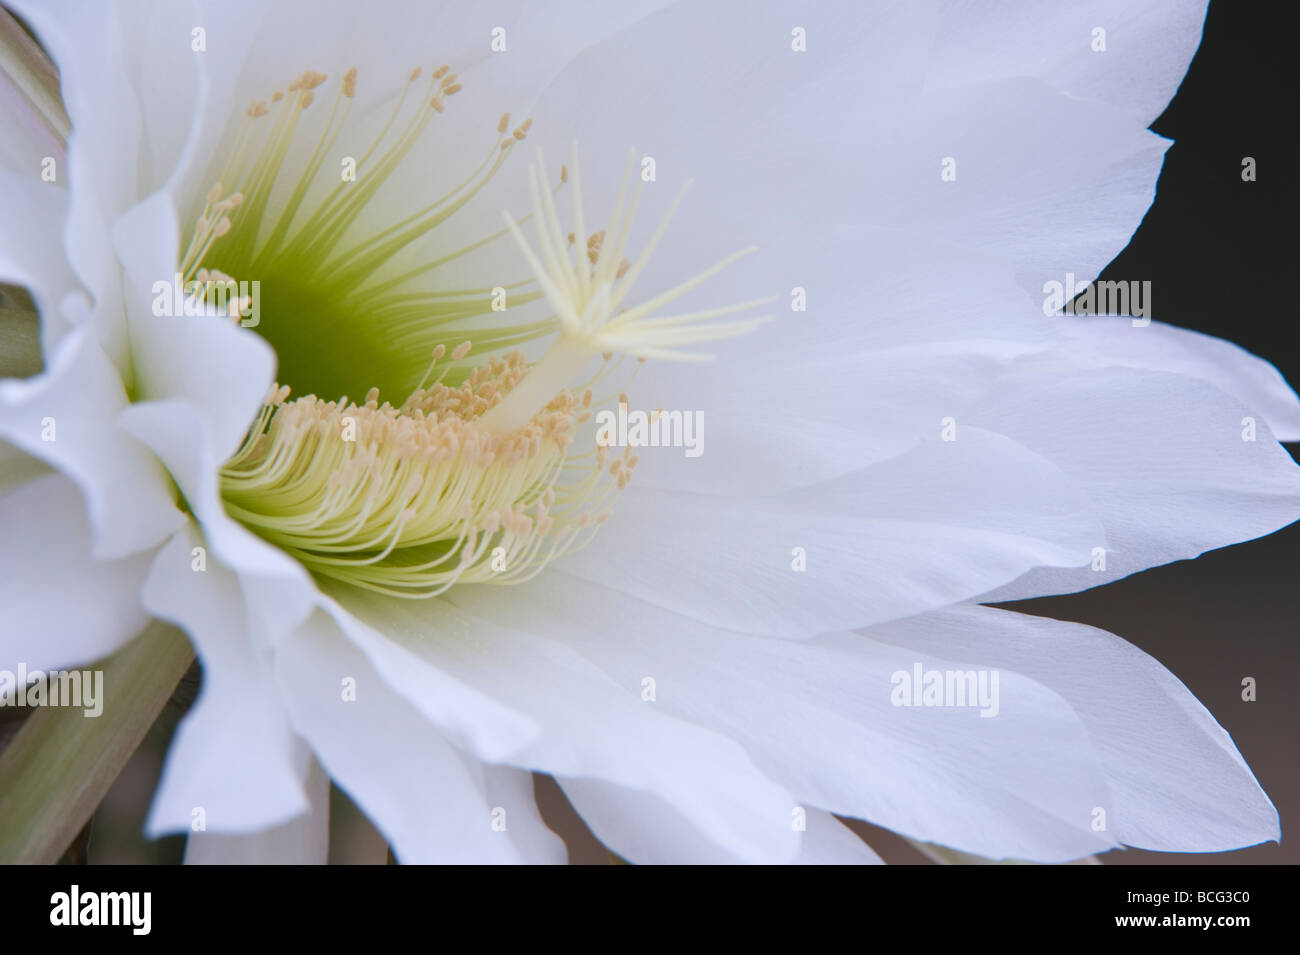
x=1220, y=256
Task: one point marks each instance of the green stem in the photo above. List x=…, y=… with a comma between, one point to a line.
x=56, y=770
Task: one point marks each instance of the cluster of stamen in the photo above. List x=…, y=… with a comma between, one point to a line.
x=410, y=500
x=473, y=477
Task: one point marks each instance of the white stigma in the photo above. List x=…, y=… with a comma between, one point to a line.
x=587, y=287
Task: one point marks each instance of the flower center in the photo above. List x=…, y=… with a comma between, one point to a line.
x=484, y=471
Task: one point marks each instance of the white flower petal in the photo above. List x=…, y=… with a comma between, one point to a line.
x=150, y=48
x=1177, y=782
x=1147, y=48
x=164, y=70
x=492, y=728
x=922, y=530
x=61, y=606
x=79, y=395
x=646, y=831
x=509, y=793
x=177, y=432
x=818, y=717
x=1161, y=457
x=87, y=42
x=411, y=782
x=303, y=840
x=223, y=369
x=234, y=755
x=636, y=826
x=871, y=368
x=850, y=132
x=1015, y=185
x=590, y=727
x=1253, y=382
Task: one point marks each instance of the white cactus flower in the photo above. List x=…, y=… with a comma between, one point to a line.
x=373, y=488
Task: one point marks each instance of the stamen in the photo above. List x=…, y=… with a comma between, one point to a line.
x=473, y=477
x=420, y=498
